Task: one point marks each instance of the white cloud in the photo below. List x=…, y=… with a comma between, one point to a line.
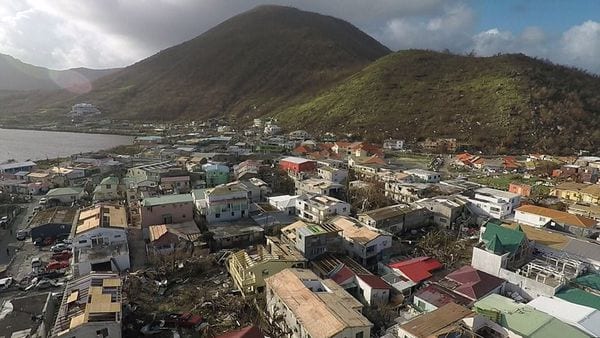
x=580, y=46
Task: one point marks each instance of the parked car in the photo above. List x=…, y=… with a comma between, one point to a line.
x=4, y=220
x=60, y=247
x=187, y=320
x=57, y=265
x=22, y=234
x=36, y=263
x=62, y=256
x=5, y=283
x=43, y=200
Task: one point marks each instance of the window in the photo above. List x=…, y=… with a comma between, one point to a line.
x=217, y=215
x=233, y=213
x=360, y=335
x=102, y=333
x=108, y=186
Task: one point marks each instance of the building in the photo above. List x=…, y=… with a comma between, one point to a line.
x=239, y=234
x=228, y=202
x=541, y=217
x=166, y=209
x=90, y=307
x=446, y=210
x=373, y=290
x=578, y=192
x=403, y=192
x=100, y=240
x=493, y=202
x=393, y=144
x=318, y=186
x=249, y=270
x=417, y=269
x=523, y=320
x=64, y=196
x=472, y=283
x=433, y=296
x=425, y=176
x=168, y=238
x=246, y=332
x=152, y=172
x=52, y=223
x=320, y=208
x=451, y=320
x=396, y=219
x=257, y=189
x=29, y=316
x=108, y=190
x=312, y=240
x=175, y=185
x=84, y=109
x=520, y=189
x=586, y=210
x=364, y=245
x=284, y=203
x=584, y=318
x=303, y=305
x=246, y=169
x=329, y=173
x=15, y=167
x=297, y=165
x=215, y=174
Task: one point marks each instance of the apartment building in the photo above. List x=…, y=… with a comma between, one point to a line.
x=319, y=208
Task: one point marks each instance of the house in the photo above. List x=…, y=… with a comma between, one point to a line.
x=510, y=244
x=257, y=189
x=318, y=186
x=520, y=189
x=27, y=316
x=175, y=185
x=107, y=190
x=168, y=238
x=374, y=290
x=424, y=176
x=493, y=203
x=446, y=210
x=227, y=202
x=584, y=318
x=14, y=167
x=310, y=306
x=216, y=174
x=297, y=165
x=249, y=270
x=312, y=240
x=90, y=307
x=238, y=234
x=433, y=296
x=417, y=269
x=285, y=203
x=451, y=320
x=64, y=196
x=392, y=144
x=584, y=209
x=246, y=169
x=406, y=192
x=336, y=175
x=320, y=208
x=52, y=223
x=523, y=320
x=556, y=220
x=396, y=219
x=148, y=140
x=100, y=240
x=578, y=192
x=443, y=145
x=166, y=209
x=152, y=171
x=364, y=245
x=472, y=283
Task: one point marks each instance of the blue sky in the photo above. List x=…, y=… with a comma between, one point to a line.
x=114, y=33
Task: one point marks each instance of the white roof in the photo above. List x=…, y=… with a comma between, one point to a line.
x=585, y=318
x=297, y=160
x=15, y=165
x=496, y=192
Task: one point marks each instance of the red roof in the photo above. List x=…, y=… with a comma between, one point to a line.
x=417, y=269
x=374, y=282
x=473, y=283
x=301, y=150
x=247, y=332
x=342, y=276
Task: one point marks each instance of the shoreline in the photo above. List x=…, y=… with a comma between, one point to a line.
x=3, y=127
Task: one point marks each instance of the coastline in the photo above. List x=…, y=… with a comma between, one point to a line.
x=79, y=131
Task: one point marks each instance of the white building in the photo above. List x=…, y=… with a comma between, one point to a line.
x=424, y=175
x=285, y=203
x=336, y=175
x=361, y=243
x=100, y=240
x=318, y=186
x=84, y=109
x=493, y=202
x=319, y=208
x=393, y=144
x=90, y=307
x=226, y=202
x=585, y=318
x=307, y=306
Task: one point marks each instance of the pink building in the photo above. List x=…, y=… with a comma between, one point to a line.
x=167, y=209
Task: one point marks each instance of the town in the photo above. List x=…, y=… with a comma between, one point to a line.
x=200, y=229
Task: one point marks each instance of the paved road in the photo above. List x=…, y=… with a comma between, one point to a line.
x=8, y=235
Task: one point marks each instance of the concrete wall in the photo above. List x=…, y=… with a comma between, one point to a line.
x=531, y=219
x=373, y=296
x=108, y=235
x=179, y=212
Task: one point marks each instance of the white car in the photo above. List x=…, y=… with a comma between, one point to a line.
x=43, y=200
x=60, y=247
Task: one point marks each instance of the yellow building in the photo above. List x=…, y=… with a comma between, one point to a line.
x=249, y=269
x=578, y=192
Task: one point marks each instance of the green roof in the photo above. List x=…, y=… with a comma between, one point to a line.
x=64, y=191
x=167, y=199
x=110, y=180
x=578, y=296
x=501, y=239
x=524, y=319
x=591, y=281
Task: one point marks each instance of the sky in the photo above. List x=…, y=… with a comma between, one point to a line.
x=62, y=34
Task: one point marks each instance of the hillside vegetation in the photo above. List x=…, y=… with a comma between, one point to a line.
x=502, y=103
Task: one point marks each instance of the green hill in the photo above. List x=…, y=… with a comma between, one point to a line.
x=507, y=102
